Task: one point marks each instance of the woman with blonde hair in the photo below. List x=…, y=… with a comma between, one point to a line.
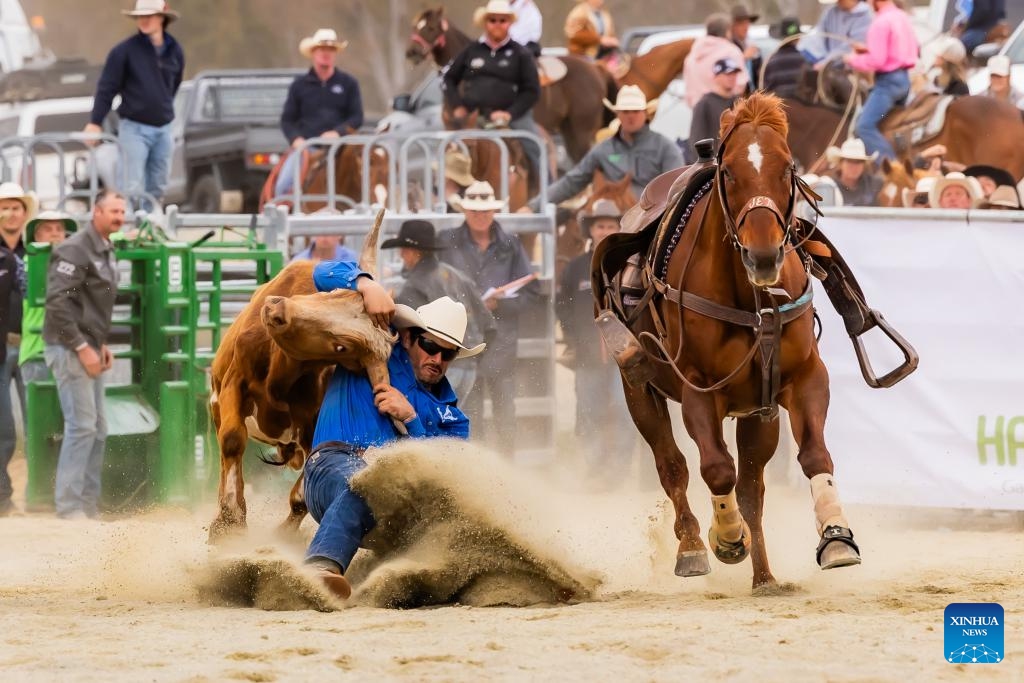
x=948, y=73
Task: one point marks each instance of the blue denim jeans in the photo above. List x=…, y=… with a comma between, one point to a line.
x=889, y=90
x=286, y=178
x=147, y=158
x=9, y=374
x=343, y=515
x=80, y=465
x=973, y=37
x=35, y=371
x=603, y=422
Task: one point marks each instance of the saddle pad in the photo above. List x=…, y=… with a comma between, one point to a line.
x=551, y=69
x=672, y=222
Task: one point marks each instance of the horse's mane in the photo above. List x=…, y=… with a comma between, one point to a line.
x=761, y=109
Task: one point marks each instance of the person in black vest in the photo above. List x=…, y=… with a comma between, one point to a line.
x=146, y=71
x=496, y=77
x=784, y=68
x=323, y=102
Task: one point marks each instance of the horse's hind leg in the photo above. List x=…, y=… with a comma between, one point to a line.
x=650, y=415
x=756, y=443
x=806, y=399
x=729, y=535
x=297, y=503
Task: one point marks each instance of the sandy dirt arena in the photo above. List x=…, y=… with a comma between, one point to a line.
x=116, y=601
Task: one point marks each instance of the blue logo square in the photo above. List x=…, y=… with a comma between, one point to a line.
x=974, y=633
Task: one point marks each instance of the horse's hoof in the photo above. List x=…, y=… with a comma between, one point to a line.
x=692, y=563
x=730, y=552
x=222, y=529
x=837, y=548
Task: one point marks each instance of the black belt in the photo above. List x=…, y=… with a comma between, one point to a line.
x=336, y=445
x=886, y=73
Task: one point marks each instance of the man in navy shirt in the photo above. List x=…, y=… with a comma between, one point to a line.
x=325, y=102
x=355, y=416
x=145, y=70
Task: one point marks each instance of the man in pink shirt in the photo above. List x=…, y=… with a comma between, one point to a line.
x=890, y=52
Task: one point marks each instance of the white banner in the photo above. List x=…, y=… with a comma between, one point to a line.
x=951, y=434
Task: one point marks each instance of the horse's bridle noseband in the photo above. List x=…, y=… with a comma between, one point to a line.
x=428, y=46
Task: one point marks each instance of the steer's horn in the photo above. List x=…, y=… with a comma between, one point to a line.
x=368, y=259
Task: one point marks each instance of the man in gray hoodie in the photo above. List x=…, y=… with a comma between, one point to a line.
x=81, y=285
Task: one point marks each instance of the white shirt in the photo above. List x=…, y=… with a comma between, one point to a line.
x=529, y=23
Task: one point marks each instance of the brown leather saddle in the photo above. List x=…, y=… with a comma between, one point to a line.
x=919, y=121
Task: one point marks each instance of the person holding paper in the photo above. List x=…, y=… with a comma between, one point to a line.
x=493, y=259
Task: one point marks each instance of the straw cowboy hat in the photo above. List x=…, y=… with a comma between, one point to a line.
x=480, y=197
x=972, y=186
x=147, y=8
x=602, y=208
x=500, y=8
x=457, y=168
x=15, y=191
x=1003, y=197
x=818, y=182
x=415, y=234
x=444, y=318
x=630, y=98
x=70, y=225
x=924, y=186
x=324, y=37
x=852, y=150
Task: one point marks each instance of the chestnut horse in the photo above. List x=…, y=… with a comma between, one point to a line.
x=654, y=70
x=977, y=130
x=571, y=106
x=348, y=178
x=732, y=280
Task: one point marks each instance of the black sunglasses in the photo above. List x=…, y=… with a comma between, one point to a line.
x=433, y=348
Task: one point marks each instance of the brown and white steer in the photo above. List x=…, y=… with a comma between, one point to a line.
x=271, y=370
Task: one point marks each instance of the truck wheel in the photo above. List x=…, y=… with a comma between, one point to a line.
x=205, y=196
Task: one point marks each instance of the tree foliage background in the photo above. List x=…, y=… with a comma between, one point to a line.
x=266, y=33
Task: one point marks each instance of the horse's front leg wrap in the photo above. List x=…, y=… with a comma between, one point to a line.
x=727, y=522
x=827, y=509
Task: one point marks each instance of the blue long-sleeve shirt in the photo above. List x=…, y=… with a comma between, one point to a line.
x=145, y=76
x=314, y=107
x=348, y=412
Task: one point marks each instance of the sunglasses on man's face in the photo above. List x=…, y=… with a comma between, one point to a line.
x=497, y=20
x=921, y=200
x=432, y=348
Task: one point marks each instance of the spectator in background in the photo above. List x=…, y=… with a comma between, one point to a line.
x=784, y=67
x=324, y=102
x=1003, y=198
x=859, y=184
x=989, y=177
x=633, y=149
x=976, y=18
x=16, y=207
x=999, y=85
x=707, y=115
x=457, y=177
x=948, y=73
x=954, y=191
x=918, y=197
x=146, y=71
x=590, y=30
x=427, y=279
x=326, y=247
x=492, y=258
x=891, y=51
x=739, y=33
x=528, y=28
x=698, y=68
x=602, y=418
x=81, y=286
x=50, y=227
x=847, y=19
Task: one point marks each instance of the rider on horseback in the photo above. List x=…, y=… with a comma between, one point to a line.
x=839, y=27
x=324, y=102
x=528, y=26
x=497, y=77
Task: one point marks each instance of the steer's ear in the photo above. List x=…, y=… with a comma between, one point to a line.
x=368, y=259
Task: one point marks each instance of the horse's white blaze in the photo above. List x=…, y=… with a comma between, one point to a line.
x=380, y=193
x=754, y=156
x=889, y=191
x=421, y=25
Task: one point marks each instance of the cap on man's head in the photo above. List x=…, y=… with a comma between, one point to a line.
x=726, y=65
x=999, y=65
x=718, y=24
x=741, y=13
x=786, y=28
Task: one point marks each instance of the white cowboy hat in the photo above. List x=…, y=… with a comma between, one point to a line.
x=924, y=186
x=147, y=8
x=15, y=191
x=499, y=8
x=630, y=98
x=1003, y=196
x=817, y=182
x=324, y=37
x=972, y=186
x=443, y=318
x=70, y=225
x=853, y=150
x=480, y=197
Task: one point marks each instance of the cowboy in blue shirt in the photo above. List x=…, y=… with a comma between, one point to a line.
x=355, y=416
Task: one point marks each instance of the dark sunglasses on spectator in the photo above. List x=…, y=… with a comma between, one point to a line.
x=497, y=20
x=433, y=348
x=921, y=200
x=483, y=197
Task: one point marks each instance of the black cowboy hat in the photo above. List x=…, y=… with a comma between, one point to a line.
x=415, y=234
x=1000, y=175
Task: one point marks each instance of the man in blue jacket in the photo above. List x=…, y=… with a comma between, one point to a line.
x=324, y=102
x=145, y=70
x=355, y=416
